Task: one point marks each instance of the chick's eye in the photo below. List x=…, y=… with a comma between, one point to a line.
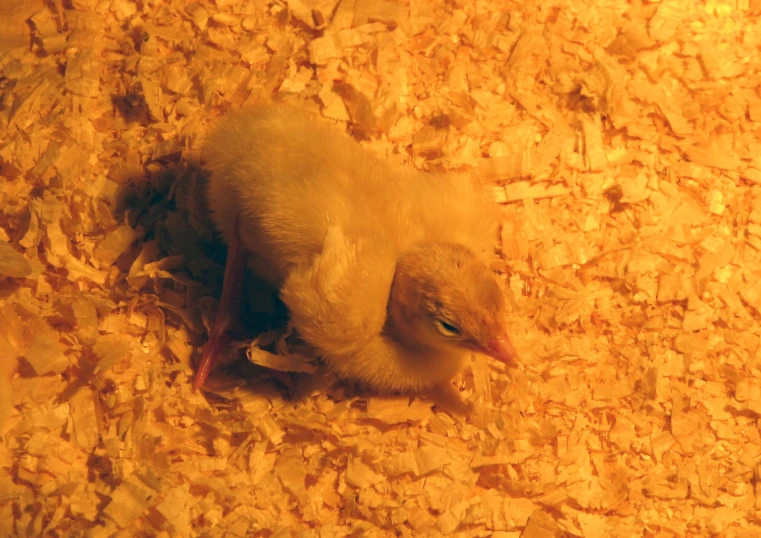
x=446, y=328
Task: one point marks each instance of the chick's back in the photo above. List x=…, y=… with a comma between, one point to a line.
x=291, y=175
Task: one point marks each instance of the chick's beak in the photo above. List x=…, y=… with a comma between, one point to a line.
x=502, y=349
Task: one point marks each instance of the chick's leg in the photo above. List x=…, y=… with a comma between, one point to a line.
x=229, y=308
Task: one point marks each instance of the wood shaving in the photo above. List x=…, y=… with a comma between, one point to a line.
x=622, y=141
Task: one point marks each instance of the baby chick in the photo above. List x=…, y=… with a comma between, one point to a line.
x=383, y=268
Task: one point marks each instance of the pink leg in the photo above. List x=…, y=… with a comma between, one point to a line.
x=229, y=308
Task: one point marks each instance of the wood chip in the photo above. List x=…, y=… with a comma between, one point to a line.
x=12, y=263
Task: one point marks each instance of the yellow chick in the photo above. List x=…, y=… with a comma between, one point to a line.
x=383, y=268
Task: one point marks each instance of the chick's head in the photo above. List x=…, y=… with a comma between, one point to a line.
x=443, y=296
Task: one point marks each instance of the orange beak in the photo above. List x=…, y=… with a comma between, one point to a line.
x=502, y=350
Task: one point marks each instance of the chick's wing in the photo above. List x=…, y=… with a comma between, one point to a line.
x=338, y=299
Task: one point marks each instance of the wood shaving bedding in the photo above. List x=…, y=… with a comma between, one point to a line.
x=622, y=139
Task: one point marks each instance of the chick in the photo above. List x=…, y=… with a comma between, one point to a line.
x=383, y=268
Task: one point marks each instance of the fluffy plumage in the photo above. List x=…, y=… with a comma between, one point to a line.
x=383, y=268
